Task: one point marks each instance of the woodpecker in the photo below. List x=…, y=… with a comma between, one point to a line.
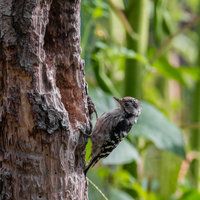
x=112, y=127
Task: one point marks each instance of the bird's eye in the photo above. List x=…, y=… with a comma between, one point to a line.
x=126, y=104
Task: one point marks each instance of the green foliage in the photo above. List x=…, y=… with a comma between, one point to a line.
x=95, y=9
x=153, y=125
x=186, y=46
x=111, y=53
x=103, y=195
x=165, y=78
x=104, y=57
x=119, y=194
x=191, y=194
x=162, y=20
x=163, y=66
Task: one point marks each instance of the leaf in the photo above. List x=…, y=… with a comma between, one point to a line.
x=153, y=125
x=124, y=178
x=193, y=72
x=191, y=194
x=187, y=47
x=102, y=100
x=116, y=194
x=163, y=66
x=115, y=52
x=98, y=12
x=167, y=22
x=123, y=154
x=190, y=75
x=88, y=150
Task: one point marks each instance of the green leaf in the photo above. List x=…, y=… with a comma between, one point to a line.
x=123, y=154
x=116, y=194
x=124, y=178
x=167, y=22
x=88, y=150
x=102, y=100
x=190, y=75
x=163, y=66
x=191, y=195
x=98, y=12
x=153, y=125
x=186, y=46
x=193, y=72
x=116, y=52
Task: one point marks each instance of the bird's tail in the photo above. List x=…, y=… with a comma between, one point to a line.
x=91, y=163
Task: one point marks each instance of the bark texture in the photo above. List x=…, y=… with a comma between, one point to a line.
x=43, y=101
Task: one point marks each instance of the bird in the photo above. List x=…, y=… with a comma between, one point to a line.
x=112, y=127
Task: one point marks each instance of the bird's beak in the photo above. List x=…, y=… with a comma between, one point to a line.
x=118, y=100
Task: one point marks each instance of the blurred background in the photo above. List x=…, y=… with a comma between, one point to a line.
x=150, y=50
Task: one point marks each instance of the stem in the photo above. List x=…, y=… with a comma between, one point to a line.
x=195, y=137
x=137, y=14
x=124, y=21
x=191, y=126
x=97, y=189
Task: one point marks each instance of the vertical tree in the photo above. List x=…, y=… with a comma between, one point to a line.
x=138, y=17
x=43, y=101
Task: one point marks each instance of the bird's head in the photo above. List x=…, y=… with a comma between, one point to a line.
x=130, y=105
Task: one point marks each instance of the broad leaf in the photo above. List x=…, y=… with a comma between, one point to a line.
x=191, y=195
x=102, y=100
x=193, y=72
x=190, y=74
x=153, y=125
x=116, y=194
x=168, y=71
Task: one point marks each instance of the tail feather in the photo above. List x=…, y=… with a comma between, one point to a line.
x=91, y=163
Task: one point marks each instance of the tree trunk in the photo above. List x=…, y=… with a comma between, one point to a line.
x=43, y=101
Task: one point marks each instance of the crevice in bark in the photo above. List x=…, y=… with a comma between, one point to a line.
x=44, y=109
x=62, y=38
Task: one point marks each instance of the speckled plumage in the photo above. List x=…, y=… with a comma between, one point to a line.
x=112, y=127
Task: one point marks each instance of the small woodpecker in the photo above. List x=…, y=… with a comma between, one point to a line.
x=112, y=127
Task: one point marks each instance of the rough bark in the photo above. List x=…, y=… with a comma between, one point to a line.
x=43, y=101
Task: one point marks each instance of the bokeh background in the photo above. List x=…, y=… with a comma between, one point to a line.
x=150, y=50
